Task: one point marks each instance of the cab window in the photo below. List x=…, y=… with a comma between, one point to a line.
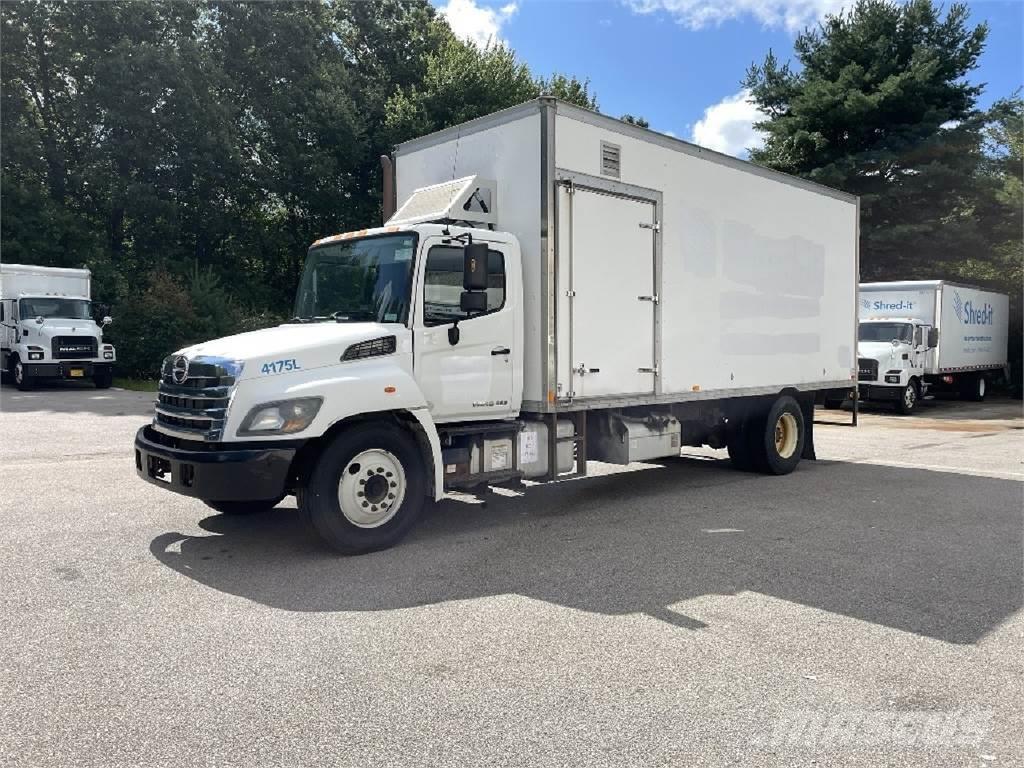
x=442, y=285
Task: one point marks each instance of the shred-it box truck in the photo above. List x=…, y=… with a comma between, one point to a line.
x=47, y=330
x=556, y=287
x=918, y=336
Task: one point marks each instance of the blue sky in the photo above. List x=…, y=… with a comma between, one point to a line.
x=679, y=63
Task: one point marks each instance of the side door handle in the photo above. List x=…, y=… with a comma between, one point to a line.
x=501, y=351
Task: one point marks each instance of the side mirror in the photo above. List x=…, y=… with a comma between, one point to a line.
x=107, y=320
x=474, y=267
x=933, y=337
x=473, y=302
x=39, y=320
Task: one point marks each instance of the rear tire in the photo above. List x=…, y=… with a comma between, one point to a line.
x=974, y=389
x=907, y=403
x=22, y=380
x=367, y=489
x=777, y=437
x=243, y=507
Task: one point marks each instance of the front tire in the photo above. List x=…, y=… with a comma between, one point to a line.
x=907, y=403
x=103, y=380
x=366, y=490
x=243, y=507
x=22, y=380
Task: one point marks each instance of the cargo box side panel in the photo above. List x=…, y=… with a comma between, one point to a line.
x=509, y=153
x=915, y=303
x=973, y=328
x=758, y=276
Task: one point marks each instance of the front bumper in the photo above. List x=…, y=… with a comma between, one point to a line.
x=249, y=472
x=878, y=392
x=64, y=369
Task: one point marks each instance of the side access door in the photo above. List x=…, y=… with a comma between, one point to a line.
x=464, y=374
x=607, y=262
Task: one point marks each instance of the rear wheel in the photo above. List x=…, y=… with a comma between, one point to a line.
x=778, y=437
x=367, y=489
x=974, y=389
x=243, y=507
x=23, y=381
x=907, y=403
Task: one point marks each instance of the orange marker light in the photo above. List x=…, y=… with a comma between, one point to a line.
x=695, y=388
x=389, y=390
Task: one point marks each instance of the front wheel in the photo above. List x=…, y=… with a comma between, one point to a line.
x=22, y=380
x=103, y=380
x=366, y=490
x=907, y=403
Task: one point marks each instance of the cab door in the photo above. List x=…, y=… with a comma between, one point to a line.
x=464, y=374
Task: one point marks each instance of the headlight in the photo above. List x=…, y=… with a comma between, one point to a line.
x=108, y=355
x=892, y=377
x=35, y=355
x=281, y=418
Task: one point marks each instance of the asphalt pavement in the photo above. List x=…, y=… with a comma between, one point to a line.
x=864, y=610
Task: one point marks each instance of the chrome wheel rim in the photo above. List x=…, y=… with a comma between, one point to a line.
x=909, y=396
x=981, y=387
x=371, y=488
x=786, y=435
x=19, y=373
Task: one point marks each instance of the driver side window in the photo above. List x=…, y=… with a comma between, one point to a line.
x=442, y=285
x=918, y=340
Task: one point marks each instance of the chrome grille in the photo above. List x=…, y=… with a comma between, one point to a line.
x=196, y=408
x=867, y=370
x=71, y=347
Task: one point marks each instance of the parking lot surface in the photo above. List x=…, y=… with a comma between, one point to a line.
x=865, y=609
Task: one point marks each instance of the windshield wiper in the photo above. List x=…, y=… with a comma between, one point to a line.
x=349, y=315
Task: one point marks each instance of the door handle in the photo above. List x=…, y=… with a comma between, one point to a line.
x=501, y=351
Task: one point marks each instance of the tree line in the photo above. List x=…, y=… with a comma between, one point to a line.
x=188, y=152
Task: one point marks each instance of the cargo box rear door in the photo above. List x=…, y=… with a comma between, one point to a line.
x=611, y=276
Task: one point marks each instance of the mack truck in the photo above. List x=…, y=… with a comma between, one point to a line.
x=47, y=328
x=557, y=288
x=920, y=337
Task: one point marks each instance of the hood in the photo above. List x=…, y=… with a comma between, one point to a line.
x=59, y=326
x=881, y=350
x=309, y=345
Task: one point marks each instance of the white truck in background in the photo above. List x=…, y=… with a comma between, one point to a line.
x=921, y=336
x=557, y=287
x=47, y=328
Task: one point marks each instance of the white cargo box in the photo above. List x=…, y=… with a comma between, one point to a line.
x=655, y=270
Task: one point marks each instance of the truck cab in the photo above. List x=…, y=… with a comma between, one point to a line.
x=893, y=355
x=48, y=330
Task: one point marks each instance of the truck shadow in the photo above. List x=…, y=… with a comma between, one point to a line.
x=930, y=553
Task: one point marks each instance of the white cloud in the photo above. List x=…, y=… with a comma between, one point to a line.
x=477, y=23
x=728, y=126
x=794, y=15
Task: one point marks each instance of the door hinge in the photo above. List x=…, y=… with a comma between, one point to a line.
x=653, y=299
x=653, y=369
x=571, y=294
x=656, y=226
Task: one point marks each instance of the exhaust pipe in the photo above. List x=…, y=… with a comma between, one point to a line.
x=387, y=187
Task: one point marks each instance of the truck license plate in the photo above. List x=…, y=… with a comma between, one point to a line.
x=76, y=373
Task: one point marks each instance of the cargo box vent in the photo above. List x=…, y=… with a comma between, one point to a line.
x=611, y=159
x=469, y=199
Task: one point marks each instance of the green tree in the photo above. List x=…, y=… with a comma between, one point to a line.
x=635, y=120
x=879, y=107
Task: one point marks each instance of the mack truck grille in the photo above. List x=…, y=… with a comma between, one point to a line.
x=867, y=370
x=70, y=347
x=196, y=408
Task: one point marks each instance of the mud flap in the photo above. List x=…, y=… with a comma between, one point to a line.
x=807, y=409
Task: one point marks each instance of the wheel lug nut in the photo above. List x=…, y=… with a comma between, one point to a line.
x=394, y=485
x=391, y=495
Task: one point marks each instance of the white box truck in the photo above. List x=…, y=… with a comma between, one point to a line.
x=922, y=336
x=557, y=287
x=47, y=327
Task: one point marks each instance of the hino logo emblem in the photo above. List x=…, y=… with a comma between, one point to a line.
x=179, y=369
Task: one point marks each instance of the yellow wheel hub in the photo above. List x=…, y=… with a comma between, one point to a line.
x=786, y=435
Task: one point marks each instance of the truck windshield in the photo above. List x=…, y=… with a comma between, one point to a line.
x=354, y=280
x=52, y=306
x=885, y=332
